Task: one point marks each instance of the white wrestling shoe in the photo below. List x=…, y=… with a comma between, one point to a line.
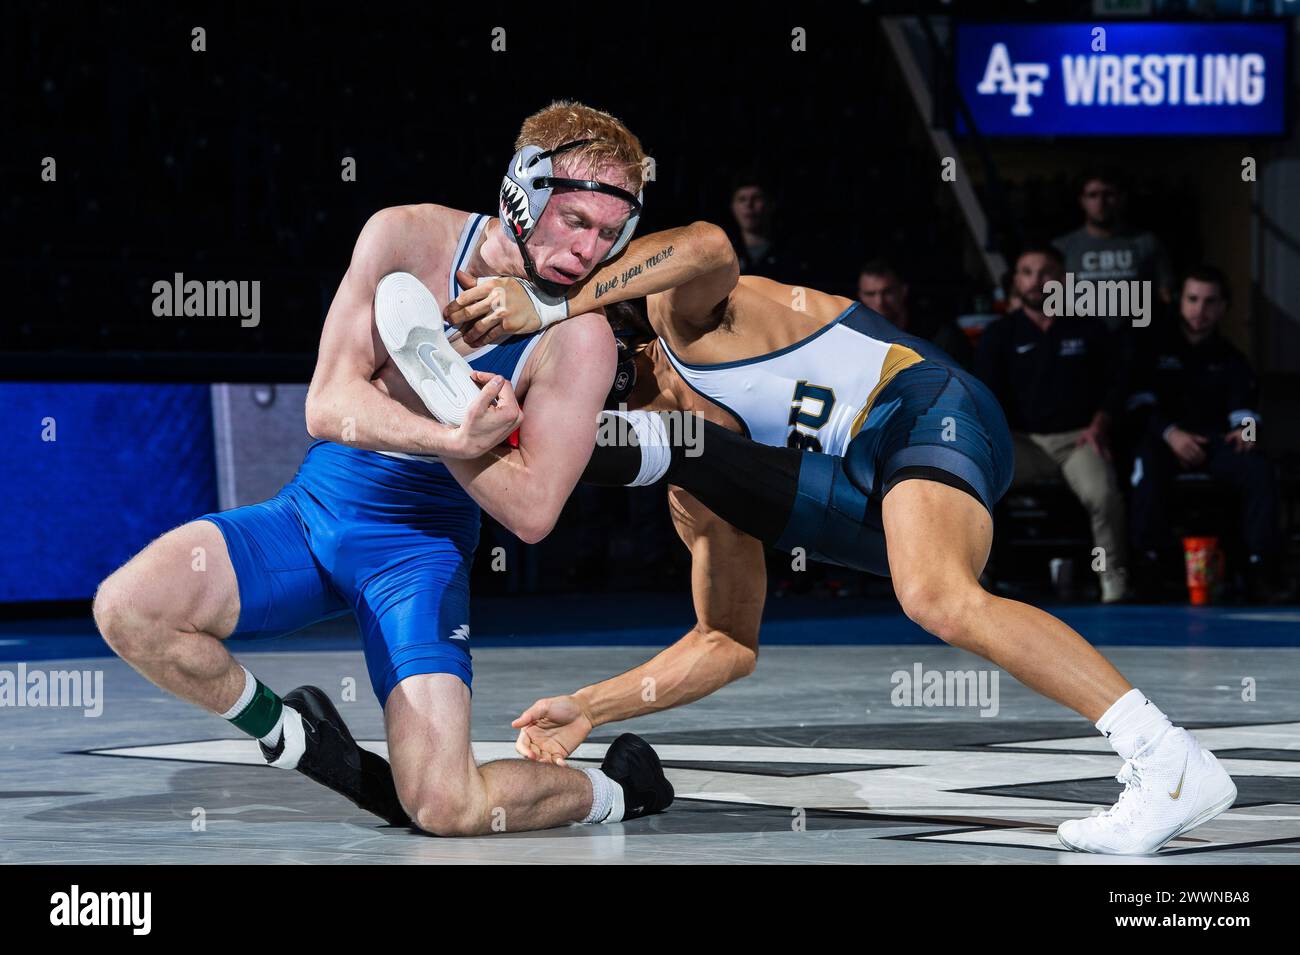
x=1171, y=786
x=410, y=323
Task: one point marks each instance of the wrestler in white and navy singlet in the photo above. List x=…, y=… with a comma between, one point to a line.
x=869, y=406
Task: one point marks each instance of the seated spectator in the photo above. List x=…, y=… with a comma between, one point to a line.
x=1194, y=406
x=1059, y=382
x=1106, y=248
x=881, y=288
x=1010, y=299
x=760, y=247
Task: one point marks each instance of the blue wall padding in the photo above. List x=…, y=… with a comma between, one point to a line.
x=128, y=462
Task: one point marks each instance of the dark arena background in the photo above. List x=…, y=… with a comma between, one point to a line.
x=937, y=162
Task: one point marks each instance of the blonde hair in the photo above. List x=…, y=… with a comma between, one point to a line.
x=612, y=143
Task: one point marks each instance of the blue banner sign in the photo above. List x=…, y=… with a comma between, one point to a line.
x=1124, y=79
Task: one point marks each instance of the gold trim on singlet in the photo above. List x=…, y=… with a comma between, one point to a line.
x=896, y=359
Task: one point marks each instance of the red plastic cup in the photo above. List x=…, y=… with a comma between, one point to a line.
x=1204, y=563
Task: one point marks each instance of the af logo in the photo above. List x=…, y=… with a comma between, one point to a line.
x=1022, y=80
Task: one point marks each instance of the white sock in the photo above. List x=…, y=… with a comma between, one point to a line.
x=273, y=737
x=245, y=696
x=1131, y=723
x=295, y=739
x=606, y=798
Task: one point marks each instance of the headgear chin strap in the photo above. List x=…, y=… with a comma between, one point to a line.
x=526, y=189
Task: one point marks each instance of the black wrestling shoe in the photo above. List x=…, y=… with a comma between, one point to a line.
x=632, y=764
x=333, y=758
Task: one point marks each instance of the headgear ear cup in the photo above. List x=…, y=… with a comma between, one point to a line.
x=522, y=202
x=526, y=189
x=629, y=228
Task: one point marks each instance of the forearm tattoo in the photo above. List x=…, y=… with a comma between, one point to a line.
x=616, y=282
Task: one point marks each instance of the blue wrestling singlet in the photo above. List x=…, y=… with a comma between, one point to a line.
x=389, y=537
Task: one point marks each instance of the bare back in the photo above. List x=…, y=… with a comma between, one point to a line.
x=760, y=316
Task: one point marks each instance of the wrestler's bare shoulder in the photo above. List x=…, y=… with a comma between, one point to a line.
x=420, y=239
x=760, y=317
x=821, y=307
x=418, y=231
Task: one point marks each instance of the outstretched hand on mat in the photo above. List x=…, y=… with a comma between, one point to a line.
x=551, y=729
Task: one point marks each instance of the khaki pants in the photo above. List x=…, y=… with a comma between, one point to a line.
x=1090, y=477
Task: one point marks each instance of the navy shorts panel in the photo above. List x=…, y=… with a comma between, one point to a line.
x=833, y=521
x=936, y=417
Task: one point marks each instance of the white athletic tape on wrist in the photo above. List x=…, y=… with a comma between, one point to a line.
x=549, y=309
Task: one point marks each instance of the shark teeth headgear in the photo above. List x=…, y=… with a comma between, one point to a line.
x=527, y=187
x=514, y=208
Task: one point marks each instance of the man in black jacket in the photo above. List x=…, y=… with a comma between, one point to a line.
x=1059, y=381
x=1194, y=401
